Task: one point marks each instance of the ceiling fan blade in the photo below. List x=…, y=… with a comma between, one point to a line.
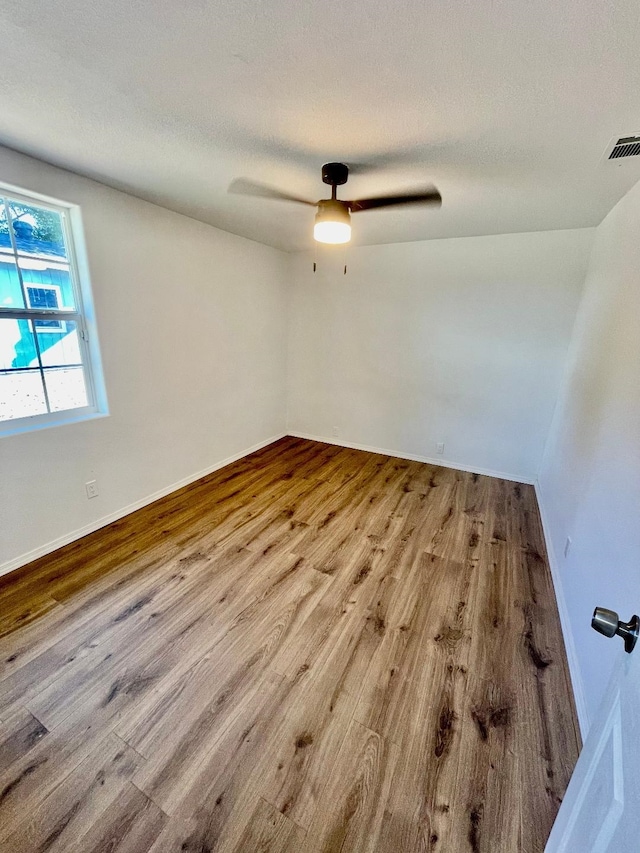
x=242, y=186
x=429, y=196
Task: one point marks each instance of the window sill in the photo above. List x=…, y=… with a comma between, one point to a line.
x=20, y=426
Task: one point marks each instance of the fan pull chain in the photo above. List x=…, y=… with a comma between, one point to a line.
x=315, y=259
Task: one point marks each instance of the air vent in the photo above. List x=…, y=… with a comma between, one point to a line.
x=628, y=146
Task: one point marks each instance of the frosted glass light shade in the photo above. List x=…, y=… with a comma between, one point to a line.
x=333, y=221
x=327, y=231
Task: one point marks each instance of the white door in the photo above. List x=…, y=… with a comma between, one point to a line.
x=601, y=810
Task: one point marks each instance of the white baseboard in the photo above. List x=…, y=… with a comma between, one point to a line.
x=569, y=641
x=42, y=550
x=430, y=460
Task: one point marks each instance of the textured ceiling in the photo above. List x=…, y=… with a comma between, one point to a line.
x=506, y=106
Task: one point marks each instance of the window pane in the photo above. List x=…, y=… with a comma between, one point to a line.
x=66, y=388
x=10, y=290
x=21, y=394
x=59, y=345
x=17, y=344
x=38, y=231
x=5, y=239
x=48, y=283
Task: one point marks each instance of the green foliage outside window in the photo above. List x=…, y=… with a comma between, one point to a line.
x=46, y=224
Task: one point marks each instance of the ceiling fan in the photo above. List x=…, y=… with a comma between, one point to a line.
x=333, y=217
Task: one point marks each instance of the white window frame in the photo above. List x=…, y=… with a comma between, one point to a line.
x=83, y=315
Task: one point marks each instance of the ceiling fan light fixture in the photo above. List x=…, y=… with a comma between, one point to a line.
x=333, y=222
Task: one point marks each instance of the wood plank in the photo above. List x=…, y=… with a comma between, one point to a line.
x=351, y=811
x=427, y=627
x=212, y=802
x=269, y=831
x=17, y=614
x=264, y=830
x=19, y=732
x=28, y=780
x=305, y=736
x=73, y=806
x=130, y=824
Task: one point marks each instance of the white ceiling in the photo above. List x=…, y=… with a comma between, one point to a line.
x=506, y=105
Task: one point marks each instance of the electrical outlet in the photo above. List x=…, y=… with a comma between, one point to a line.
x=335, y=432
x=92, y=488
x=567, y=547
x=440, y=448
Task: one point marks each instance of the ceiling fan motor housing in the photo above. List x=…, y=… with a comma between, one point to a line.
x=333, y=209
x=335, y=174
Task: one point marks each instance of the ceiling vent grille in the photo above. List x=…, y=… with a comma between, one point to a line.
x=628, y=146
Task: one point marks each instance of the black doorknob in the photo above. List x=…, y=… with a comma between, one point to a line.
x=606, y=622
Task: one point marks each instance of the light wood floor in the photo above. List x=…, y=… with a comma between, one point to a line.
x=313, y=649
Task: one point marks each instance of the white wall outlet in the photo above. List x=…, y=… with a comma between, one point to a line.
x=335, y=432
x=440, y=448
x=567, y=547
x=92, y=488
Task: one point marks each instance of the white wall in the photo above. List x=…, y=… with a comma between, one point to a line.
x=589, y=483
x=460, y=341
x=192, y=331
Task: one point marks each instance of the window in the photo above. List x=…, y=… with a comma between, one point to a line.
x=49, y=360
